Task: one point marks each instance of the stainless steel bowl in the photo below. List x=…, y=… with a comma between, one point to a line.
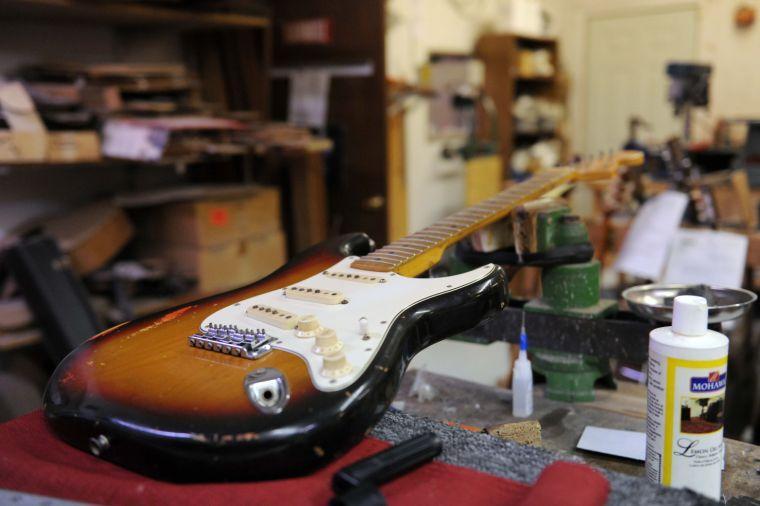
x=655, y=302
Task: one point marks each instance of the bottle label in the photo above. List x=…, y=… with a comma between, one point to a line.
x=685, y=406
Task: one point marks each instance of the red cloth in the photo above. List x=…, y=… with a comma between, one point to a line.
x=33, y=460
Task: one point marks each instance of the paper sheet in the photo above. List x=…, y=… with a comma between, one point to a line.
x=645, y=249
x=122, y=139
x=309, y=98
x=621, y=443
x=710, y=257
x=18, y=109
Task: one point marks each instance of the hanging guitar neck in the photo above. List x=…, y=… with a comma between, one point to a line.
x=418, y=252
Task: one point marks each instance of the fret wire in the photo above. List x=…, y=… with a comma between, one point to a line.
x=416, y=240
x=425, y=235
x=422, y=244
x=451, y=222
x=383, y=261
x=377, y=261
x=450, y=229
x=383, y=251
x=458, y=221
x=438, y=238
x=421, y=247
x=388, y=260
x=452, y=218
x=442, y=237
x=420, y=233
x=388, y=249
x=390, y=254
x=407, y=248
x=472, y=212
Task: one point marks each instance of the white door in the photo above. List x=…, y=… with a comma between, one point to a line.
x=625, y=73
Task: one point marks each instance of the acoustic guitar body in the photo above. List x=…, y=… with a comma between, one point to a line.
x=270, y=380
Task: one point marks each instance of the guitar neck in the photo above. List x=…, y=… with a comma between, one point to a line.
x=416, y=253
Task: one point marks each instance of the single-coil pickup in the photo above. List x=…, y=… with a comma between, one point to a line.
x=359, y=278
x=318, y=295
x=276, y=317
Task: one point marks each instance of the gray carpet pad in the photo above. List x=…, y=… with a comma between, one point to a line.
x=521, y=463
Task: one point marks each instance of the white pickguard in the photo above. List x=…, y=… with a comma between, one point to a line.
x=380, y=303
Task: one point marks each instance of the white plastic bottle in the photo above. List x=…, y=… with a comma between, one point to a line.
x=685, y=400
x=522, y=380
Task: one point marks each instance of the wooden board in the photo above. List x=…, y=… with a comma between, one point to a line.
x=396, y=207
x=483, y=178
x=562, y=423
x=91, y=235
x=308, y=199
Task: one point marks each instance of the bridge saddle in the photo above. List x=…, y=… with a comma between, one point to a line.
x=231, y=340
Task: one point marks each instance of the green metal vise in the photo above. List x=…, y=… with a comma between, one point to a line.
x=568, y=290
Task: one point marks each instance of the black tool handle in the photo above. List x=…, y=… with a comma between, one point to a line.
x=386, y=465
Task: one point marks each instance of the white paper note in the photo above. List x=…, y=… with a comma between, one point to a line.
x=710, y=257
x=18, y=108
x=309, y=98
x=123, y=139
x=645, y=249
x=621, y=443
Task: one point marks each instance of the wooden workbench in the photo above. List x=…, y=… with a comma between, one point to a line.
x=562, y=423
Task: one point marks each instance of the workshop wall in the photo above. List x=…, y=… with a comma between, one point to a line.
x=735, y=85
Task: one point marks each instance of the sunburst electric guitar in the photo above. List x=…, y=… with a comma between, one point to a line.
x=277, y=378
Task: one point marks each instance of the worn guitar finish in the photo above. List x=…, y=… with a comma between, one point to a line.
x=140, y=396
x=230, y=387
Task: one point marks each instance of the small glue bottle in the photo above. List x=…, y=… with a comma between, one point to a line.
x=522, y=379
x=686, y=387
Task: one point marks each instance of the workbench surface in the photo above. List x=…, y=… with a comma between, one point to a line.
x=562, y=423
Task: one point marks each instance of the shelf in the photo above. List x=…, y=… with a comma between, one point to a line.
x=123, y=14
x=7, y=167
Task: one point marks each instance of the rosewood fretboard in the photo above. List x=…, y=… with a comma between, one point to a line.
x=416, y=253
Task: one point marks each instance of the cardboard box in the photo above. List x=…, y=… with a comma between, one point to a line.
x=73, y=147
x=19, y=147
x=91, y=235
x=55, y=147
x=229, y=265
x=262, y=212
x=214, y=220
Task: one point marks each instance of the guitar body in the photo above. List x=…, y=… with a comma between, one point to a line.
x=160, y=396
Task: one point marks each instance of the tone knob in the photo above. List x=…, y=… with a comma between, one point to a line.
x=327, y=343
x=308, y=326
x=335, y=366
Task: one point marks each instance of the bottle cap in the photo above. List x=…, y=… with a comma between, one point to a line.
x=690, y=315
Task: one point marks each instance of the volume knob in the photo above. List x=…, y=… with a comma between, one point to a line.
x=327, y=343
x=335, y=365
x=308, y=326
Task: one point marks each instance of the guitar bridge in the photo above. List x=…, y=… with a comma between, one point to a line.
x=231, y=340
